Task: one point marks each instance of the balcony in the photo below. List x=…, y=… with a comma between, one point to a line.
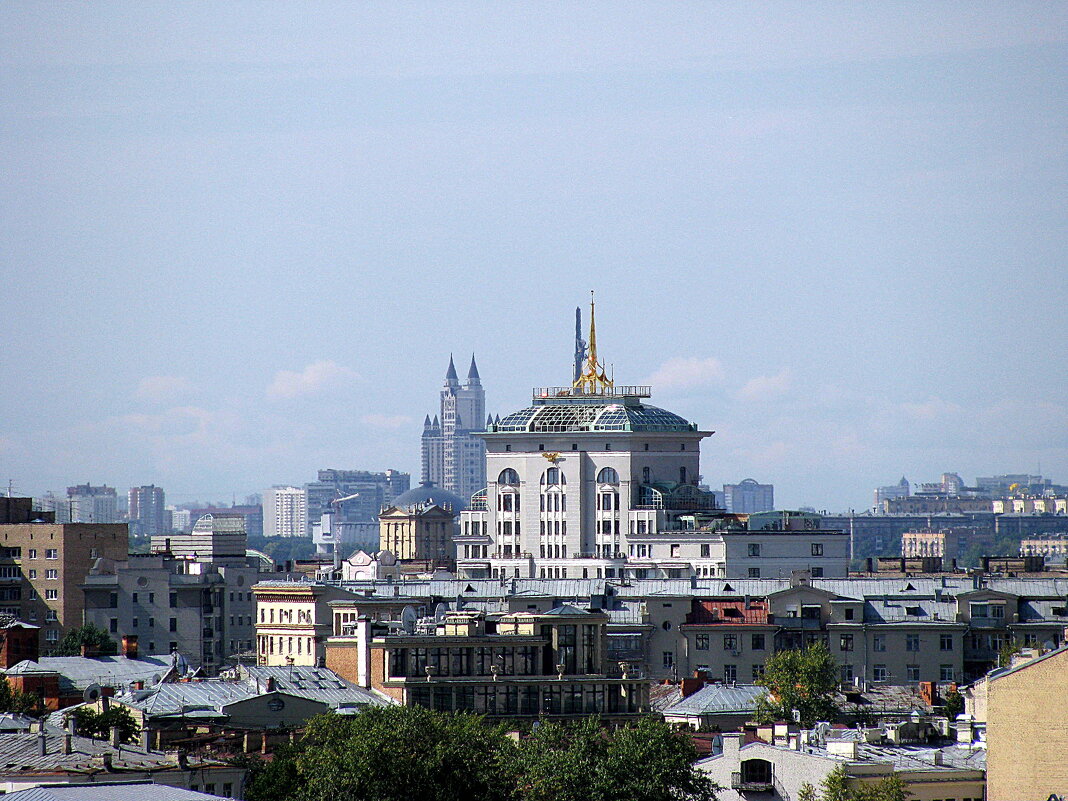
x=797, y=623
x=760, y=786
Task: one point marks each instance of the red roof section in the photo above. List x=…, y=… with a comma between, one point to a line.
x=732, y=613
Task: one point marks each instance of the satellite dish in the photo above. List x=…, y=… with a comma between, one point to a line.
x=156, y=678
x=439, y=612
x=92, y=693
x=409, y=617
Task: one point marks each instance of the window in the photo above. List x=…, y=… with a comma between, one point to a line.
x=817, y=572
x=646, y=475
x=509, y=477
x=174, y=624
x=846, y=673
x=701, y=642
x=51, y=595
x=675, y=551
x=33, y=553
x=730, y=673
x=879, y=673
x=757, y=672
x=607, y=476
x=51, y=616
x=133, y=597
x=878, y=642
x=912, y=642
x=848, y=614
x=669, y=659
x=52, y=574
x=817, y=549
x=730, y=642
x=997, y=610
x=113, y=625
x=706, y=551
x=52, y=553
x=134, y=623
x=754, y=572
x=912, y=672
x=174, y=599
x=758, y=642
x=754, y=549
x=945, y=642
x=52, y=635
x=552, y=477
x=33, y=573
x=846, y=643
x=945, y=673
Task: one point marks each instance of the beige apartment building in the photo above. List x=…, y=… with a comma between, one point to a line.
x=293, y=620
x=43, y=567
x=1026, y=735
x=943, y=544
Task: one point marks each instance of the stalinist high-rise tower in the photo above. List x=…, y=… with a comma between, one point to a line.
x=453, y=458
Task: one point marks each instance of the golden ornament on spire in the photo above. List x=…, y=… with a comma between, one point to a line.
x=594, y=380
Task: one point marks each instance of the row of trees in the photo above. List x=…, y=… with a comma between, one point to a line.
x=408, y=753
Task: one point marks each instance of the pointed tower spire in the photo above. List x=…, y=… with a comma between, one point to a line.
x=426, y=422
x=594, y=379
x=451, y=379
x=473, y=379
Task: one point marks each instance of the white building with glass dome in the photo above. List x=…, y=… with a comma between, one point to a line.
x=591, y=481
x=577, y=481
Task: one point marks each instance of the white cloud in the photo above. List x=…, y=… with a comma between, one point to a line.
x=764, y=387
x=163, y=387
x=312, y=380
x=682, y=372
x=932, y=409
x=390, y=421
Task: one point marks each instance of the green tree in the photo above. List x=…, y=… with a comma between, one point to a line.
x=276, y=779
x=835, y=787
x=1008, y=651
x=404, y=754
x=583, y=761
x=93, y=636
x=954, y=704
x=12, y=700
x=91, y=723
x=802, y=680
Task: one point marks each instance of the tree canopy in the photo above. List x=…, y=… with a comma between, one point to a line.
x=415, y=754
x=12, y=700
x=93, y=636
x=835, y=787
x=802, y=680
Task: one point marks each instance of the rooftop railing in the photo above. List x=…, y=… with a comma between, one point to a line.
x=623, y=391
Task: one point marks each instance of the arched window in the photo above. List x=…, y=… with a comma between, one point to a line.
x=552, y=477
x=607, y=476
x=508, y=476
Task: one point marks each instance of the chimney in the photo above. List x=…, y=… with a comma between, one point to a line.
x=146, y=738
x=691, y=685
x=271, y=685
x=67, y=743
x=129, y=646
x=114, y=737
x=42, y=741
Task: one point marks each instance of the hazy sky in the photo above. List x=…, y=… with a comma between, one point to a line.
x=238, y=241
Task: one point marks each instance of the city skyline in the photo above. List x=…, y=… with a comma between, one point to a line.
x=245, y=246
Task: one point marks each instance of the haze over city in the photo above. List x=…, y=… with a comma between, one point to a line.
x=239, y=242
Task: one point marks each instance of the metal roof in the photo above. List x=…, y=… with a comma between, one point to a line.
x=20, y=754
x=718, y=699
x=100, y=791
x=78, y=672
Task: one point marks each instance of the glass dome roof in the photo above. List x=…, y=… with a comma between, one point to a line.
x=558, y=418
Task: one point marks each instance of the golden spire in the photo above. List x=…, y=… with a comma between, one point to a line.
x=593, y=380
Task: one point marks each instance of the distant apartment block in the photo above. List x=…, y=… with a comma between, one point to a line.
x=285, y=512
x=89, y=504
x=883, y=494
x=942, y=544
x=353, y=496
x=147, y=510
x=178, y=519
x=749, y=496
